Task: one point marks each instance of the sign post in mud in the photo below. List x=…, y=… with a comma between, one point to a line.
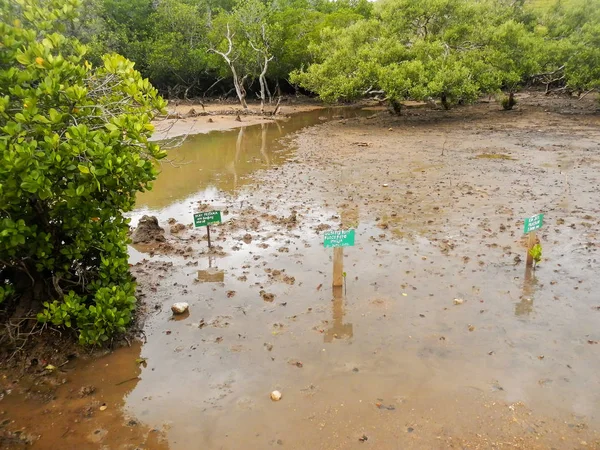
x=338, y=240
x=532, y=224
x=205, y=219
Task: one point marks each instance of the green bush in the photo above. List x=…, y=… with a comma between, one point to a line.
x=74, y=152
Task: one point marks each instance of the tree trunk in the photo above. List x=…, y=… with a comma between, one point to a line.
x=509, y=102
x=262, y=93
x=239, y=84
x=396, y=107
x=268, y=92
x=239, y=88
x=263, y=84
x=445, y=103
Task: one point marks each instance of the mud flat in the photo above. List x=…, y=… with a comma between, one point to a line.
x=391, y=360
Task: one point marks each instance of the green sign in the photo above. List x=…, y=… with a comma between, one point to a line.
x=533, y=223
x=342, y=238
x=203, y=219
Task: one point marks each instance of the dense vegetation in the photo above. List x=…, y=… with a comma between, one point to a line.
x=448, y=50
x=74, y=151
x=455, y=50
x=75, y=115
x=173, y=41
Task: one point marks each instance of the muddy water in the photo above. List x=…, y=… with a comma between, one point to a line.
x=392, y=357
x=389, y=361
x=223, y=161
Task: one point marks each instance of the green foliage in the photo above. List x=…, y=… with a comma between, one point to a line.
x=74, y=151
x=571, y=48
x=455, y=50
x=536, y=253
x=169, y=40
x=411, y=49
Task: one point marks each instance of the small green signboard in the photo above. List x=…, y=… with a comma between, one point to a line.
x=533, y=223
x=206, y=218
x=342, y=238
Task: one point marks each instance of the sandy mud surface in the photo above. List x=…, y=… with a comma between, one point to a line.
x=188, y=118
x=440, y=338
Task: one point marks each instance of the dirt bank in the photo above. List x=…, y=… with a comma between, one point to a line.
x=189, y=117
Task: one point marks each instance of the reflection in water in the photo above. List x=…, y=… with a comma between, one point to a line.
x=338, y=330
x=525, y=306
x=263, y=143
x=238, y=150
x=225, y=159
x=211, y=275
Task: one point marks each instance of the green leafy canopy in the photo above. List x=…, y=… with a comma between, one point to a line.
x=74, y=150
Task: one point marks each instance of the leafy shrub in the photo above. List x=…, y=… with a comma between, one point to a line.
x=74, y=151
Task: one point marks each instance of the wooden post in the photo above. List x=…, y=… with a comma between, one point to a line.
x=530, y=244
x=338, y=266
x=208, y=234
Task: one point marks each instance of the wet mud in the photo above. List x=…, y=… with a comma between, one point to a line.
x=439, y=338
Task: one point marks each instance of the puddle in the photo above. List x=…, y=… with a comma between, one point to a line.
x=389, y=356
x=81, y=405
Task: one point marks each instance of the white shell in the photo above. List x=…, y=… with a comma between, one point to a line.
x=179, y=308
x=275, y=396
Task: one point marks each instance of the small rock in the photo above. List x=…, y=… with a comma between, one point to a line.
x=266, y=296
x=179, y=307
x=275, y=396
x=458, y=301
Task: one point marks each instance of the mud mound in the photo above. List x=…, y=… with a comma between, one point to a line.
x=148, y=231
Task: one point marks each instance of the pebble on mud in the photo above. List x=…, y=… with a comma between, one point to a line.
x=275, y=396
x=179, y=307
x=458, y=301
x=86, y=391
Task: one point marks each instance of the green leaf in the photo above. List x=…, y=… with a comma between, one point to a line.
x=83, y=169
x=30, y=186
x=23, y=58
